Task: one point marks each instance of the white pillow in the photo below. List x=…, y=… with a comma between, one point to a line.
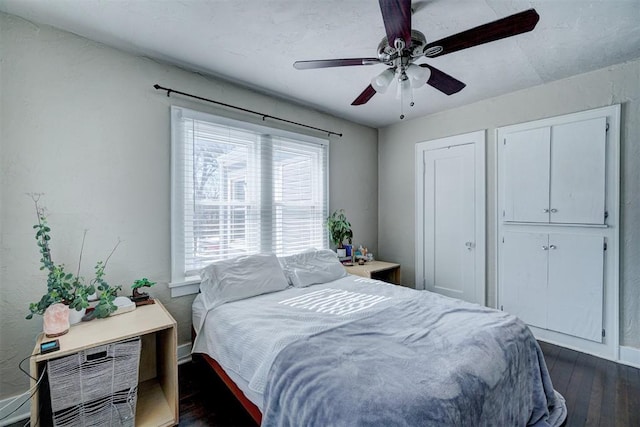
x=312, y=268
x=242, y=277
x=291, y=259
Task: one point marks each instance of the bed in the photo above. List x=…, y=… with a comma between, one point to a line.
x=303, y=343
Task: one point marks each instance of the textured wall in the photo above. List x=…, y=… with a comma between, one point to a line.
x=81, y=123
x=613, y=85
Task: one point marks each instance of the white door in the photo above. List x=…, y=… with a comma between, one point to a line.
x=576, y=285
x=577, y=187
x=449, y=221
x=526, y=175
x=523, y=276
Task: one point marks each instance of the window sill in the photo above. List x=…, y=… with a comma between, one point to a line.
x=188, y=286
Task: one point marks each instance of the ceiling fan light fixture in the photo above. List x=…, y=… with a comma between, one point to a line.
x=381, y=82
x=402, y=45
x=418, y=76
x=404, y=88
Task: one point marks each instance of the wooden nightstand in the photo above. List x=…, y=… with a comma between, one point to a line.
x=158, y=371
x=385, y=271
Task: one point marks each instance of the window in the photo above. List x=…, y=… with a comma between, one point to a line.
x=240, y=189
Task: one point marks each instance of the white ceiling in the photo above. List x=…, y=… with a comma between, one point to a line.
x=255, y=42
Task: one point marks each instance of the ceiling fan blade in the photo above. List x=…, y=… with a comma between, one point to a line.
x=365, y=96
x=506, y=27
x=396, y=15
x=443, y=81
x=328, y=63
x=417, y=6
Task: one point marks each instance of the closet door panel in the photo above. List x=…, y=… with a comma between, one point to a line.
x=526, y=175
x=577, y=183
x=524, y=276
x=576, y=284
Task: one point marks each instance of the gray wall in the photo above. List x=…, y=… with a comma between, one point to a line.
x=396, y=182
x=80, y=122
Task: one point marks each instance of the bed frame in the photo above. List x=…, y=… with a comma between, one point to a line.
x=248, y=405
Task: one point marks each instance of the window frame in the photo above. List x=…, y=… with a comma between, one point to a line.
x=181, y=284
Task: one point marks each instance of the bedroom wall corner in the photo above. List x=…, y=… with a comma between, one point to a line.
x=82, y=123
x=607, y=86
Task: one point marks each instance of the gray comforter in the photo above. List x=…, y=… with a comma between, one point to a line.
x=428, y=361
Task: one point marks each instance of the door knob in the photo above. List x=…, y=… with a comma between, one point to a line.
x=554, y=210
x=469, y=245
x=545, y=247
x=545, y=210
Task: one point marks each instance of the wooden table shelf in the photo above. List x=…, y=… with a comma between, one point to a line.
x=381, y=270
x=157, y=403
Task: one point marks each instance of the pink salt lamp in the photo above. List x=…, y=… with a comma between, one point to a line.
x=56, y=320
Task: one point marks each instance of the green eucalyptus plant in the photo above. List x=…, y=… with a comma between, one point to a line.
x=64, y=287
x=106, y=293
x=339, y=228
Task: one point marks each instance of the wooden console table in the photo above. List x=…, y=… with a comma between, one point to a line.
x=157, y=403
x=385, y=271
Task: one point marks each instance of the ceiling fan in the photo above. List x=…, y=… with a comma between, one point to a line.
x=403, y=46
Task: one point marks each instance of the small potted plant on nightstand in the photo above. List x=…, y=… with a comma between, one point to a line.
x=339, y=231
x=141, y=298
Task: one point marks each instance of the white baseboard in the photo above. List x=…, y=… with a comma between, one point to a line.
x=630, y=356
x=21, y=414
x=184, y=353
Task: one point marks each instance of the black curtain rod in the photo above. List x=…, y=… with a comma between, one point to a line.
x=264, y=116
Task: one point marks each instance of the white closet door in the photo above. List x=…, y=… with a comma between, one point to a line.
x=526, y=175
x=576, y=279
x=578, y=172
x=524, y=276
x=449, y=222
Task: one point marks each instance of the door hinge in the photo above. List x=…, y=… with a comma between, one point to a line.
x=503, y=213
x=605, y=246
x=606, y=128
x=603, y=333
x=504, y=141
x=502, y=239
x=502, y=308
x=606, y=214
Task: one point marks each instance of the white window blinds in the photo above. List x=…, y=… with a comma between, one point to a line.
x=241, y=189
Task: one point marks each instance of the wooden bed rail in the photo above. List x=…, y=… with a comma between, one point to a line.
x=248, y=405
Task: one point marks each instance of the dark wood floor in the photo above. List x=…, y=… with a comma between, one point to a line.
x=598, y=392
x=206, y=401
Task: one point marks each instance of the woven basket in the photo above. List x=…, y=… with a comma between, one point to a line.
x=97, y=386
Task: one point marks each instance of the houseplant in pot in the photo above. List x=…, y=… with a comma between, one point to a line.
x=339, y=231
x=65, y=289
x=139, y=297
